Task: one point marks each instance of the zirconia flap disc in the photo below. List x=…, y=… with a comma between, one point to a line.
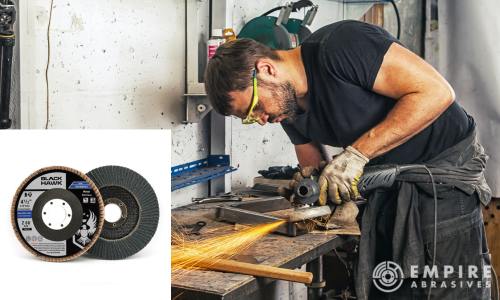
x=137, y=220
x=57, y=213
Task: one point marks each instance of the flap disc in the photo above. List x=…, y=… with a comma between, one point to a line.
x=57, y=213
x=132, y=212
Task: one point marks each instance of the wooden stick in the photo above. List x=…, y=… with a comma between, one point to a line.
x=227, y=265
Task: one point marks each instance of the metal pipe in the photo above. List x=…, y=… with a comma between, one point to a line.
x=7, y=46
x=7, y=41
x=315, y=289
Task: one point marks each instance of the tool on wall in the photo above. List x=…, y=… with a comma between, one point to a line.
x=7, y=42
x=281, y=32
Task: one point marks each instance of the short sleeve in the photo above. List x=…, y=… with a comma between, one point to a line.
x=295, y=136
x=355, y=50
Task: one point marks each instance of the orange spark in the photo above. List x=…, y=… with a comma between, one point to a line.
x=189, y=255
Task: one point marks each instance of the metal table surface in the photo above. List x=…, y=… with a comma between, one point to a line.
x=273, y=249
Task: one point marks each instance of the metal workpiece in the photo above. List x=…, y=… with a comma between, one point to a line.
x=236, y=196
x=270, y=210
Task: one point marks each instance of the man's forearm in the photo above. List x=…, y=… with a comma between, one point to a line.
x=308, y=155
x=411, y=114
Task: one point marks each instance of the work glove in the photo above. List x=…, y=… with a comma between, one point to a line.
x=303, y=172
x=279, y=172
x=339, y=179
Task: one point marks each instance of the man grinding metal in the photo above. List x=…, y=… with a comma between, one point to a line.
x=353, y=85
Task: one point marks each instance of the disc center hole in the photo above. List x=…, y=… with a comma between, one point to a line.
x=303, y=190
x=56, y=214
x=112, y=212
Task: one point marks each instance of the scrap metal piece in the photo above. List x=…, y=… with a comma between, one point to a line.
x=217, y=198
x=195, y=228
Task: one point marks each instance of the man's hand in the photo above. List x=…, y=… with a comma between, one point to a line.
x=339, y=179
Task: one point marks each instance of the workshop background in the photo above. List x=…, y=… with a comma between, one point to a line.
x=120, y=64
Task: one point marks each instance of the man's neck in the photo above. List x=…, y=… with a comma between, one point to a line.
x=296, y=73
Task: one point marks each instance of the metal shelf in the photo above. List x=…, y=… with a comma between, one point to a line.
x=199, y=171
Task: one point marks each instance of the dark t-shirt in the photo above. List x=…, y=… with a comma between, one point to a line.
x=341, y=62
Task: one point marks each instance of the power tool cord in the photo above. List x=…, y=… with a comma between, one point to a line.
x=398, y=18
x=497, y=294
x=434, y=192
x=295, y=7
x=435, y=223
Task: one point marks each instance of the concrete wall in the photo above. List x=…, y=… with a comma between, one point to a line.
x=113, y=64
x=411, y=13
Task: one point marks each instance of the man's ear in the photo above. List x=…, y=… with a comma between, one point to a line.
x=266, y=67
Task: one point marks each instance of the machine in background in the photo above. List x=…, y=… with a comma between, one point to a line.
x=282, y=32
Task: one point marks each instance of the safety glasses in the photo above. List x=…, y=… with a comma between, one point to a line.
x=251, y=118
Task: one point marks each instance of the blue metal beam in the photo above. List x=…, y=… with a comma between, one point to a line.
x=200, y=171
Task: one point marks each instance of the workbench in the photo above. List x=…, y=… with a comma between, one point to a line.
x=274, y=249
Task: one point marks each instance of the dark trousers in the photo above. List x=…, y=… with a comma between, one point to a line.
x=461, y=241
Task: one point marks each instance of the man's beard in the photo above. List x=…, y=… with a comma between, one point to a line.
x=287, y=99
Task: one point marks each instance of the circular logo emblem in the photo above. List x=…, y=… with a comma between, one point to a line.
x=387, y=276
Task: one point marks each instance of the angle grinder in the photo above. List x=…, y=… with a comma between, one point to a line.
x=307, y=190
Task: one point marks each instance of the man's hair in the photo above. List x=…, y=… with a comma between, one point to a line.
x=230, y=69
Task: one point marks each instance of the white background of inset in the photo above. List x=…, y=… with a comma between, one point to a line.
x=144, y=275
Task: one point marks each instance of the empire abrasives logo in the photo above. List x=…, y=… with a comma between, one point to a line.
x=387, y=276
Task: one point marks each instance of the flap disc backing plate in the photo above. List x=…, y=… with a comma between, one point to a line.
x=138, y=216
x=57, y=213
